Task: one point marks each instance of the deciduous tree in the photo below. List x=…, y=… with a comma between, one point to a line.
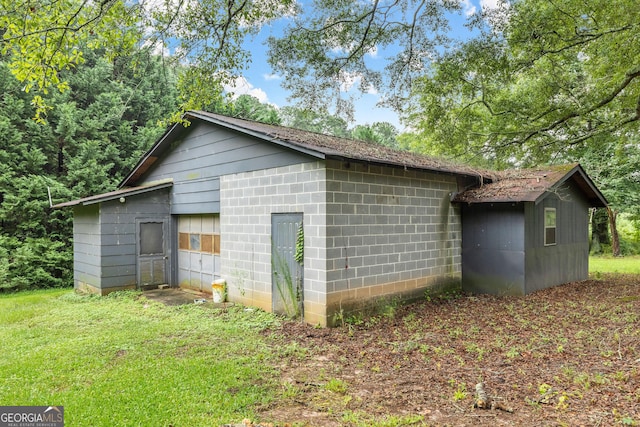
x=42, y=39
x=542, y=77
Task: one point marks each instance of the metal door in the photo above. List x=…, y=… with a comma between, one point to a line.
x=152, y=252
x=286, y=272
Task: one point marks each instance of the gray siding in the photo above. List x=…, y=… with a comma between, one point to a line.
x=118, y=228
x=208, y=152
x=493, y=248
x=568, y=260
x=503, y=247
x=86, y=246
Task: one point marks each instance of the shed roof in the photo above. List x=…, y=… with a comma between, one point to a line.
x=313, y=144
x=125, y=192
x=533, y=185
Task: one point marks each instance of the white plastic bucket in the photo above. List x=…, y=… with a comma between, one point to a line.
x=219, y=290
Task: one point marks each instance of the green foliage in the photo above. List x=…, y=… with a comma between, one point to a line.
x=250, y=108
x=43, y=39
x=540, y=79
x=336, y=385
x=34, y=263
x=325, y=52
x=381, y=133
x=599, y=265
x=101, y=125
x=287, y=285
x=299, y=255
x=319, y=121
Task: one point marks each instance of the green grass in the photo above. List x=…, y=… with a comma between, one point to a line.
x=627, y=265
x=125, y=361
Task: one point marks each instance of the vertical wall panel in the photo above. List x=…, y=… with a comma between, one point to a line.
x=493, y=259
x=119, y=234
x=568, y=259
x=86, y=246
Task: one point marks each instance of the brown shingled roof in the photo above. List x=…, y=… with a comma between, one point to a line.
x=531, y=185
x=335, y=147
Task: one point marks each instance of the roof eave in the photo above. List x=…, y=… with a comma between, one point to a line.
x=112, y=195
x=297, y=147
x=595, y=198
x=169, y=135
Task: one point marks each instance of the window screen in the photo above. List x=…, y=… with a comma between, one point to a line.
x=151, y=238
x=549, y=226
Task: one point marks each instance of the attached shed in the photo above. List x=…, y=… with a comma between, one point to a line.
x=307, y=224
x=120, y=238
x=527, y=230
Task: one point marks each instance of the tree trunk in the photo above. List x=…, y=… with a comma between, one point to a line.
x=599, y=230
x=615, y=240
x=60, y=156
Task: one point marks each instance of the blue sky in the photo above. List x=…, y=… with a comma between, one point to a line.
x=260, y=81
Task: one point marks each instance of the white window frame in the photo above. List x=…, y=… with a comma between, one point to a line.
x=554, y=227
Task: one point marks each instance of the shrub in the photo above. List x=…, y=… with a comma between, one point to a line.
x=34, y=263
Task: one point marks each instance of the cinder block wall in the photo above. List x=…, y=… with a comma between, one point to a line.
x=371, y=234
x=392, y=234
x=247, y=201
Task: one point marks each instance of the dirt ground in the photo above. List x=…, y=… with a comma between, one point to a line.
x=569, y=355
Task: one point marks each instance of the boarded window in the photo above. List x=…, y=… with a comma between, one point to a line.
x=197, y=242
x=216, y=244
x=183, y=241
x=151, y=238
x=549, y=226
x=206, y=242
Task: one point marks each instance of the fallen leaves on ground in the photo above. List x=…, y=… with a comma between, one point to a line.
x=568, y=355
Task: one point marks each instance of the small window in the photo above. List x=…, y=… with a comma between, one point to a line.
x=194, y=242
x=549, y=226
x=216, y=244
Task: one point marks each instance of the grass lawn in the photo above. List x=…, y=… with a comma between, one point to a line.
x=568, y=355
x=627, y=265
x=125, y=361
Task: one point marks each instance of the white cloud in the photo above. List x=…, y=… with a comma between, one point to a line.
x=270, y=77
x=468, y=8
x=241, y=86
x=489, y=4
x=349, y=80
x=157, y=47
